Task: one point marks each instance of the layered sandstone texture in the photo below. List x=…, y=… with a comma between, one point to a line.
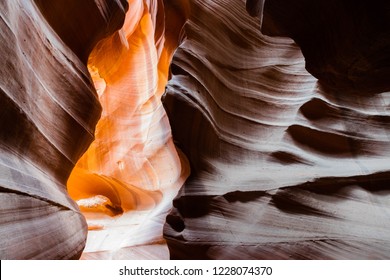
x=127, y=179
x=281, y=107
x=63, y=88
x=284, y=117
x=49, y=110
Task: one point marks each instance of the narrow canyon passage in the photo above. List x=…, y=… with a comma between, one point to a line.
x=194, y=129
x=126, y=181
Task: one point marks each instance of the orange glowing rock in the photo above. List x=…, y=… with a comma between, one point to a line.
x=132, y=170
x=49, y=110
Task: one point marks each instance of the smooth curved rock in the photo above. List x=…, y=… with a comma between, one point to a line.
x=78, y=31
x=126, y=181
x=255, y=7
x=45, y=88
x=345, y=43
x=282, y=165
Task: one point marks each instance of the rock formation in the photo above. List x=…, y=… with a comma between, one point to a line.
x=49, y=109
x=281, y=107
x=288, y=141
x=126, y=181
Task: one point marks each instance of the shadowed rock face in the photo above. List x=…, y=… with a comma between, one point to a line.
x=78, y=31
x=49, y=109
x=284, y=166
x=345, y=43
x=288, y=138
x=255, y=7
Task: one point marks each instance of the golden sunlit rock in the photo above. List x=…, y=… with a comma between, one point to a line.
x=132, y=169
x=49, y=109
x=280, y=108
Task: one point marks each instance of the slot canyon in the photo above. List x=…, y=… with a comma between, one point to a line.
x=194, y=129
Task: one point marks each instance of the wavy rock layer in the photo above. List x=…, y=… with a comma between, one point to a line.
x=283, y=167
x=126, y=181
x=45, y=127
x=345, y=45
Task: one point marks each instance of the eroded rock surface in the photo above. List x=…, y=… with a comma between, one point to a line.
x=345, y=44
x=126, y=181
x=283, y=117
x=284, y=166
x=49, y=109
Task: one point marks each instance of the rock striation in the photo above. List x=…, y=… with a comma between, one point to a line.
x=127, y=179
x=345, y=46
x=281, y=107
x=49, y=109
x=288, y=140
